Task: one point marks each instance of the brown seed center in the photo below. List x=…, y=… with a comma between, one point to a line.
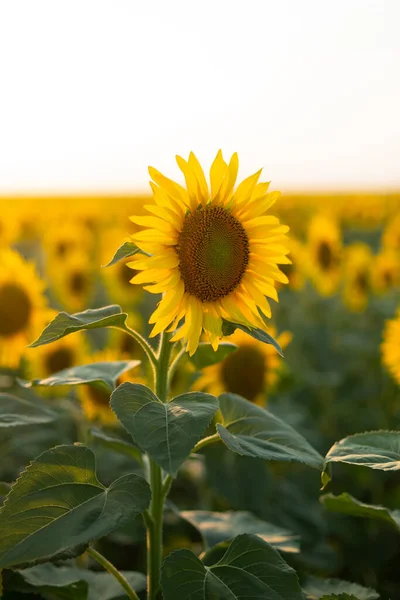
x=15, y=309
x=325, y=256
x=62, y=358
x=213, y=250
x=243, y=372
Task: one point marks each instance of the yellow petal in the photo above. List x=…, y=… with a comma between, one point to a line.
x=228, y=184
x=192, y=184
x=154, y=223
x=243, y=192
x=199, y=174
x=154, y=236
x=173, y=189
x=218, y=172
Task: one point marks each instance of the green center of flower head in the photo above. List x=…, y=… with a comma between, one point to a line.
x=325, y=256
x=15, y=309
x=243, y=372
x=213, y=250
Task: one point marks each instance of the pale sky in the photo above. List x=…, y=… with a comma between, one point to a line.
x=94, y=91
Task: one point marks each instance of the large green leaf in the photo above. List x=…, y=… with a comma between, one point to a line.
x=374, y=449
x=346, y=504
x=110, y=442
x=316, y=588
x=206, y=356
x=167, y=431
x=125, y=251
x=251, y=430
x=258, y=334
x=102, y=375
x=17, y=412
x=250, y=568
x=217, y=527
x=64, y=324
x=99, y=585
x=58, y=504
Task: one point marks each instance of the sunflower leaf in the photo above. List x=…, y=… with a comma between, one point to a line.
x=57, y=506
x=348, y=505
x=205, y=356
x=115, y=444
x=316, y=588
x=249, y=568
x=250, y=430
x=103, y=375
x=63, y=579
x=167, y=432
x=18, y=412
x=258, y=334
x=373, y=449
x=64, y=324
x=216, y=527
x=125, y=251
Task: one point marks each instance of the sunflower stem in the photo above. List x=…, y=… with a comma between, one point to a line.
x=211, y=439
x=158, y=490
x=130, y=592
x=143, y=343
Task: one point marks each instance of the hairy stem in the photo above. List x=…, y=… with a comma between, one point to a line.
x=130, y=592
x=156, y=511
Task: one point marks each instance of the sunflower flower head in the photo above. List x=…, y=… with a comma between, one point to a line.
x=213, y=252
x=390, y=347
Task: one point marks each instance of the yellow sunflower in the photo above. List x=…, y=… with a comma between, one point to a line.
x=250, y=371
x=96, y=402
x=357, y=276
x=9, y=225
x=324, y=252
x=63, y=238
x=214, y=254
x=73, y=282
x=391, y=234
x=49, y=359
x=391, y=348
x=23, y=306
x=385, y=274
x=295, y=271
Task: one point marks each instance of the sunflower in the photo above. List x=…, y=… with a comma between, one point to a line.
x=391, y=348
x=9, y=225
x=214, y=254
x=324, y=251
x=63, y=238
x=385, y=274
x=295, y=271
x=73, y=283
x=250, y=371
x=49, y=359
x=24, y=311
x=391, y=234
x=96, y=402
x=357, y=277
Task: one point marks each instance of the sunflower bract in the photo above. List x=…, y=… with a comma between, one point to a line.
x=212, y=252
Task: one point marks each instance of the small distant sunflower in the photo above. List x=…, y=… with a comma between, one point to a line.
x=49, y=359
x=64, y=238
x=214, y=254
x=385, y=274
x=24, y=311
x=324, y=248
x=391, y=347
x=391, y=234
x=73, y=283
x=250, y=371
x=9, y=225
x=295, y=271
x=96, y=402
x=357, y=276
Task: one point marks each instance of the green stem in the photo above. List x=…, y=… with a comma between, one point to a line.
x=211, y=439
x=156, y=511
x=130, y=592
x=175, y=363
x=143, y=343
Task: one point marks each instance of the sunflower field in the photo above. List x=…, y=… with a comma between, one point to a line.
x=199, y=393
